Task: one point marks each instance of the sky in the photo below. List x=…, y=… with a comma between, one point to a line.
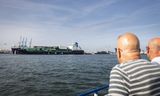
x=94, y=24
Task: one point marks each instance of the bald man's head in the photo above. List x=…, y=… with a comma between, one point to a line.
x=153, y=49
x=128, y=41
x=155, y=42
x=128, y=47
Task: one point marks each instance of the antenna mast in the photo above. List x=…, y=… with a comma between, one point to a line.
x=30, y=43
x=25, y=42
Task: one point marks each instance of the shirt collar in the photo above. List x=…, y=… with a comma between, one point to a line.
x=156, y=59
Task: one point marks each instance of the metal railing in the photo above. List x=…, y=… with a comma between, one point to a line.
x=94, y=91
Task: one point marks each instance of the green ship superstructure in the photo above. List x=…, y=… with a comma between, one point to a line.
x=54, y=50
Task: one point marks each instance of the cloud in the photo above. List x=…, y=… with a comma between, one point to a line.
x=50, y=14
x=98, y=5
x=33, y=6
x=27, y=10
x=88, y=21
x=138, y=18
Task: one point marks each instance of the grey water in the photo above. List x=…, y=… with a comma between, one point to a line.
x=53, y=75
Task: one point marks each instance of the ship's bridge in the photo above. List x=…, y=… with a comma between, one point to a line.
x=75, y=46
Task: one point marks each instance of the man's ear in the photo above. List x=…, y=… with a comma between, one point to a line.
x=147, y=49
x=159, y=52
x=118, y=53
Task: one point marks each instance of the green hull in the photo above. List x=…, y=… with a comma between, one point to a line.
x=46, y=50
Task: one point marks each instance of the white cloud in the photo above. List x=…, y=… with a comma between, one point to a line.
x=98, y=5
x=60, y=24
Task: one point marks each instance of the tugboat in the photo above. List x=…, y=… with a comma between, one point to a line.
x=54, y=50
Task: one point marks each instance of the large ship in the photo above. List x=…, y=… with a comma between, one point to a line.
x=54, y=50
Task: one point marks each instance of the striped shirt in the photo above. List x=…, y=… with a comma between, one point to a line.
x=135, y=78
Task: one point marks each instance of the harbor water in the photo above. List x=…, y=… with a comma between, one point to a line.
x=53, y=75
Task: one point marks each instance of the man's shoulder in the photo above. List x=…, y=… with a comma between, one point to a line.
x=131, y=64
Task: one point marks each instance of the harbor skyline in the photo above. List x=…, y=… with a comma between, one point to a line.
x=94, y=24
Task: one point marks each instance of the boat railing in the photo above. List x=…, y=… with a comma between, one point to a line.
x=95, y=91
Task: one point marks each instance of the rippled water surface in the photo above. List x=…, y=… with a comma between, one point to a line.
x=53, y=75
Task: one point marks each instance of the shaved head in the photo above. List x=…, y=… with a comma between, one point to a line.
x=153, y=49
x=128, y=47
x=155, y=42
x=128, y=41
